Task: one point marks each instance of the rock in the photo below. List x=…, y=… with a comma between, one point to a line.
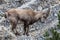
x=25, y=38
x=6, y=35
x=37, y=28
x=2, y=32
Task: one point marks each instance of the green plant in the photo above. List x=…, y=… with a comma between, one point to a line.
x=46, y=34
x=58, y=20
x=55, y=35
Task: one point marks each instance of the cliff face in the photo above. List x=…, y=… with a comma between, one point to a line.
x=37, y=29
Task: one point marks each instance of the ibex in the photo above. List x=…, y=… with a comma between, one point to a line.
x=25, y=15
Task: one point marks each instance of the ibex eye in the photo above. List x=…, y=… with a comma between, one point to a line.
x=44, y=16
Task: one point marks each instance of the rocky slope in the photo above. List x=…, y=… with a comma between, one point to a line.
x=37, y=29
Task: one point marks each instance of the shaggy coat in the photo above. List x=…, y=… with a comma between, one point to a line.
x=25, y=15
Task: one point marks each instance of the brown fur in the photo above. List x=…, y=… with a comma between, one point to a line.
x=25, y=15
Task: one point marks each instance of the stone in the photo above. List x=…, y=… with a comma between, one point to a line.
x=37, y=28
x=25, y=38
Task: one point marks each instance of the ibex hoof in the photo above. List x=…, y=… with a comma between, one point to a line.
x=27, y=34
x=23, y=33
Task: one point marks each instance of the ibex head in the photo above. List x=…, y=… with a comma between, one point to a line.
x=45, y=15
x=42, y=15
